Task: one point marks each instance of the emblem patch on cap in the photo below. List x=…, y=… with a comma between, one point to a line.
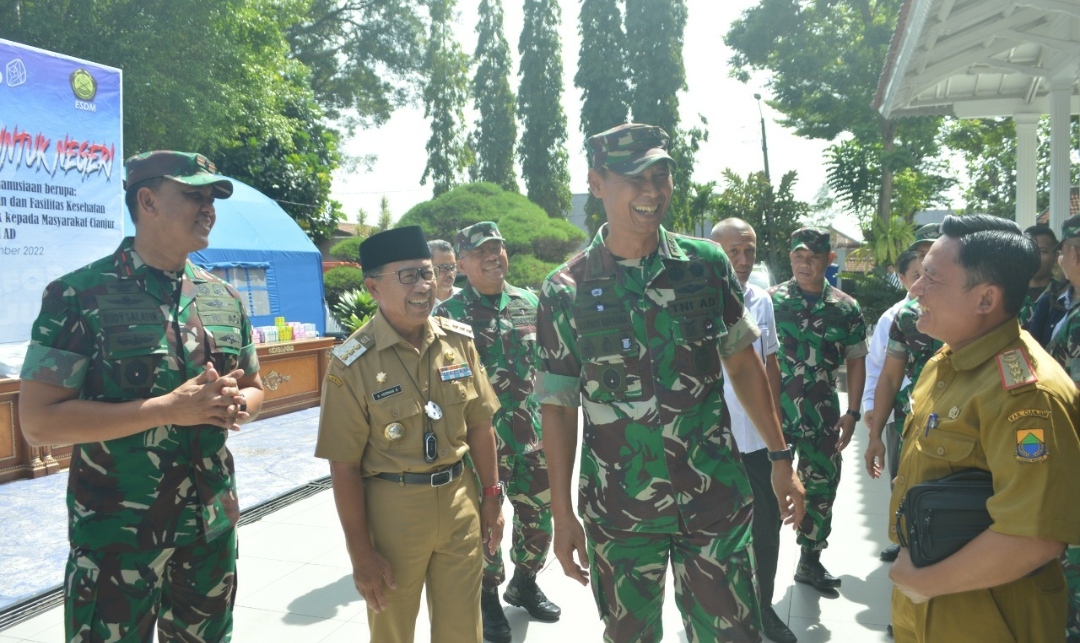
x=1030, y=445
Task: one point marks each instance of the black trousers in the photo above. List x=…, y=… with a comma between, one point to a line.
x=766, y=525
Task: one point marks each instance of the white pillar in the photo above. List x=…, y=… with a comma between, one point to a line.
x=1027, y=143
x=1060, y=142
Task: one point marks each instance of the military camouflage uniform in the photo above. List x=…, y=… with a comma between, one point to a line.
x=815, y=340
x=162, y=501
x=638, y=343
x=907, y=343
x=504, y=331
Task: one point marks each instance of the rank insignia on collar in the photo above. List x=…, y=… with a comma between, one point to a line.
x=1015, y=369
x=350, y=351
x=380, y=377
x=1030, y=445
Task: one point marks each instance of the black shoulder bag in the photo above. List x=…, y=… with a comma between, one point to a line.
x=938, y=517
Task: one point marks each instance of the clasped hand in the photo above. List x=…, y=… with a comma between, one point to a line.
x=211, y=398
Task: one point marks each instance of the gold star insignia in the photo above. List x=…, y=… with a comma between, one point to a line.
x=380, y=378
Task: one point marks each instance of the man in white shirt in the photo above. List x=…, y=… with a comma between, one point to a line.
x=739, y=241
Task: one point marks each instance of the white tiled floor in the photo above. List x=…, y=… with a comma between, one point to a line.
x=296, y=585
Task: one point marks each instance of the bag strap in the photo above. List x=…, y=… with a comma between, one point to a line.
x=900, y=526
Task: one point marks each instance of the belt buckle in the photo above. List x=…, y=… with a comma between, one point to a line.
x=439, y=478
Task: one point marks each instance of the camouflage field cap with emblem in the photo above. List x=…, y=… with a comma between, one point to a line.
x=815, y=240
x=188, y=168
x=1070, y=229
x=929, y=232
x=472, y=237
x=629, y=149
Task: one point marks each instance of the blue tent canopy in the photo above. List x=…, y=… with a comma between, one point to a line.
x=266, y=255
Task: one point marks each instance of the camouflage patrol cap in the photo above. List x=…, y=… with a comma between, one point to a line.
x=926, y=233
x=186, y=167
x=629, y=149
x=1070, y=229
x=471, y=237
x=815, y=240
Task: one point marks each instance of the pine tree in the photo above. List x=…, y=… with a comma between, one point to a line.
x=385, y=218
x=361, y=219
x=496, y=129
x=602, y=77
x=445, y=95
x=543, y=140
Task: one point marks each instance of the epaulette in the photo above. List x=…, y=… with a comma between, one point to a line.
x=1015, y=369
x=351, y=350
x=455, y=326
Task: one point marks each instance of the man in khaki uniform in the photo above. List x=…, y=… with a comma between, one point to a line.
x=991, y=399
x=405, y=423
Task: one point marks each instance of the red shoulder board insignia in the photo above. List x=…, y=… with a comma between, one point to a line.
x=1015, y=369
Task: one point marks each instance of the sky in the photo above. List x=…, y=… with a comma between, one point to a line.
x=728, y=105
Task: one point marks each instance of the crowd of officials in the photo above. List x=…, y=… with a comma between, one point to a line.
x=704, y=408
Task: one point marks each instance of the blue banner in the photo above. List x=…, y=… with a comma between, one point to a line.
x=61, y=174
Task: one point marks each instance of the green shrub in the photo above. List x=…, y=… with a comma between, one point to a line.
x=874, y=294
x=340, y=280
x=347, y=249
x=526, y=271
x=353, y=309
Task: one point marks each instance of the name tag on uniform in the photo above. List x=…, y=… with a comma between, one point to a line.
x=385, y=393
x=454, y=372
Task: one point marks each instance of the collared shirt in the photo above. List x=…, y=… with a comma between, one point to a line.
x=504, y=332
x=1004, y=406
x=378, y=385
x=119, y=330
x=815, y=340
x=908, y=343
x=875, y=359
x=759, y=308
x=638, y=343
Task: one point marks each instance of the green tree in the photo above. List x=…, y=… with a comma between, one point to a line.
x=496, y=129
x=535, y=243
x=365, y=57
x=361, y=219
x=543, y=140
x=824, y=61
x=386, y=219
x=602, y=77
x=445, y=94
x=774, y=214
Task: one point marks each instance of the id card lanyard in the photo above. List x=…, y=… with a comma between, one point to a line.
x=432, y=411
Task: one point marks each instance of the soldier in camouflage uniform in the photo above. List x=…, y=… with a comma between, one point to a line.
x=144, y=362
x=1043, y=280
x=503, y=319
x=820, y=328
x=1065, y=348
x=634, y=330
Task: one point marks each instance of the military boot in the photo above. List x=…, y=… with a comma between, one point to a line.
x=496, y=627
x=524, y=592
x=812, y=572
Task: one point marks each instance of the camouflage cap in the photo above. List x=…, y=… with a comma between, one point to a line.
x=471, y=237
x=1070, y=229
x=815, y=240
x=926, y=233
x=629, y=148
x=186, y=167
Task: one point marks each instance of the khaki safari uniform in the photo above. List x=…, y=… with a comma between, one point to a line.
x=1002, y=405
x=373, y=415
x=119, y=330
x=638, y=345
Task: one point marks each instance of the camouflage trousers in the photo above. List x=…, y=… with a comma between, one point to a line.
x=713, y=569
x=1070, y=564
x=819, y=470
x=188, y=592
x=527, y=488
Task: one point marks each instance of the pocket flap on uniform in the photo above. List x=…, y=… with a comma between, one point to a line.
x=947, y=445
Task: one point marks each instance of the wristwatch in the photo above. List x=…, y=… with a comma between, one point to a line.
x=783, y=454
x=855, y=414
x=498, y=490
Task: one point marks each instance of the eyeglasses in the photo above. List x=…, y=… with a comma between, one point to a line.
x=445, y=267
x=489, y=248
x=409, y=276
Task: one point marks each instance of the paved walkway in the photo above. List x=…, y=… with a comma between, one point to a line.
x=296, y=584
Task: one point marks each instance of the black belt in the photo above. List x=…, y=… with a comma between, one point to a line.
x=437, y=479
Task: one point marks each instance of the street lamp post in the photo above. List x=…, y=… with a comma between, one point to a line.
x=764, y=141
x=767, y=214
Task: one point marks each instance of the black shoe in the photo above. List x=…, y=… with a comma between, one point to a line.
x=888, y=630
x=775, y=629
x=523, y=592
x=812, y=572
x=890, y=553
x=496, y=627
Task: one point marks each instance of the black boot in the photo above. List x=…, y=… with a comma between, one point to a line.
x=523, y=592
x=496, y=627
x=812, y=572
x=775, y=628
